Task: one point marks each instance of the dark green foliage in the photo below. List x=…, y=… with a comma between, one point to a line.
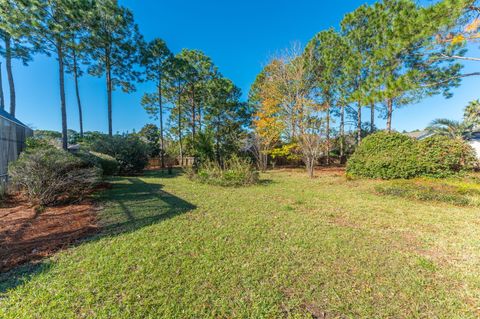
x=385, y=155
x=424, y=190
x=442, y=156
x=235, y=173
x=129, y=151
x=151, y=136
x=49, y=176
x=393, y=155
x=108, y=164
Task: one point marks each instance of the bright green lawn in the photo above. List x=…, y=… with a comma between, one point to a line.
x=290, y=247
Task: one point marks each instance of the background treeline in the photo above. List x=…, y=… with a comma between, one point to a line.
x=100, y=38
x=384, y=56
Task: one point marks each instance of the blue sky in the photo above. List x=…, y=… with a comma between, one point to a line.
x=239, y=36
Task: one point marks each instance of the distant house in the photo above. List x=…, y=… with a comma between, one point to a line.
x=474, y=141
x=13, y=134
x=419, y=135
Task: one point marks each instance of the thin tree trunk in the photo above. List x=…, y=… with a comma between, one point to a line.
x=193, y=113
x=359, y=123
x=342, y=134
x=180, y=128
x=160, y=110
x=63, y=104
x=328, y=134
x=372, y=118
x=77, y=91
x=11, y=83
x=200, y=118
x=109, y=97
x=2, y=98
x=217, y=143
x=310, y=166
x=389, y=114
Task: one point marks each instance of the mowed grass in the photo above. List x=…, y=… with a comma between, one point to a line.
x=290, y=247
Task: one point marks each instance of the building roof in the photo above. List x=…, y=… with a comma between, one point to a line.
x=419, y=135
x=4, y=114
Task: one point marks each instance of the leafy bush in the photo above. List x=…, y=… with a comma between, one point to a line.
x=33, y=143
x=385, y=155
x=236, y=172
x=106, y=163
x=129, y=151
x=48, y=176
x=442, y=156
x=394, y=155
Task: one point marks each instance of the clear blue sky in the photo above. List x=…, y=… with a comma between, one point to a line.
x=238, y=35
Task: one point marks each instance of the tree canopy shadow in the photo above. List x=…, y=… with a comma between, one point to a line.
x=131, y=204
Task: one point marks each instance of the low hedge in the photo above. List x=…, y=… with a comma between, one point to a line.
x=49, y=176
x=393, y=155
x=235, y=172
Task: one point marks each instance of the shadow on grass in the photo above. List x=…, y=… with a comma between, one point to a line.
x=132, y=203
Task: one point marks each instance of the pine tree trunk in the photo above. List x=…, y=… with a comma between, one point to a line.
x=342, y=134
x=359, y=123
x=180, y=128
x=372, y=118
x=109, y=97
x=160, y=116
x=11, y=83
x=193, y=113
x=77, y=91
x=63, y=104
x=389, y=114
x=217, y=142
x=200, y=117
x=328, y=135
x=2, y=98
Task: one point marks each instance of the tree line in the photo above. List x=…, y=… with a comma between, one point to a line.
x=101, y=38
x=382, y=57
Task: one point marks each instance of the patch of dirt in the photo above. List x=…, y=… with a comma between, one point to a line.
x=27, y=235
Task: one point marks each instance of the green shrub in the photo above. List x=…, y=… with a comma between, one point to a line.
x=236, y=172
x=49, y=176
x=442, y=156
x=394, y=155
x=108, y=164
x=129, y=151
x=385, y=155
x=34, y=142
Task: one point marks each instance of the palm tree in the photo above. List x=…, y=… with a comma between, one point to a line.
x=472, y=113
x=450, y=128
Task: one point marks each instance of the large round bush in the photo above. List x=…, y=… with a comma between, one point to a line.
x=48, y=176
x=129, y=151
x=385, y=155
x=394, y=155
x=443, y=156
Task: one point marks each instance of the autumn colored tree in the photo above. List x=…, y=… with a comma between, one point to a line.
x=267, y=120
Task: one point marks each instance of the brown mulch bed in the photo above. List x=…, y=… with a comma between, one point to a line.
x=27, y=235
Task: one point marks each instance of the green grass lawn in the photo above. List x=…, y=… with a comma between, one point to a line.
x=290, y=247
